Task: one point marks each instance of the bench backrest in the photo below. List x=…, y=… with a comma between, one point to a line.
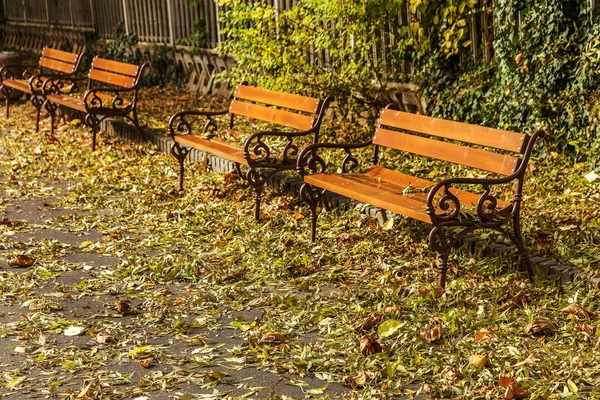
x=114, y=72
x=293, y=111
x=420, y=135
x=60, y=61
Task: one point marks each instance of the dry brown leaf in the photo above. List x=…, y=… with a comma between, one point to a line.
x=449, y=373
x=21, y=260
x=579, y=311
x=105, y=338
x=478, y=360
x=234, y=276
x=368, y=322
x=512, y=389
x=583, y=327
x=392, y=310
x=484, y=335
x=540, y=326
x=272, y=337
x=123, y=307
x=147, y=363
x=434, y=334
x=8, y=222
x=369, y=345
x=357, y=381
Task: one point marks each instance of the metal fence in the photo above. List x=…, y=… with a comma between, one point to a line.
x=171, y=21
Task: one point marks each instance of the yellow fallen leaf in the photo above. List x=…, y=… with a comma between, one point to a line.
x=478, y=360
x=389, y=224
x=15, y=382
x=572, y=386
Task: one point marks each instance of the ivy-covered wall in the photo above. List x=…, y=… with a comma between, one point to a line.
x=544, y=72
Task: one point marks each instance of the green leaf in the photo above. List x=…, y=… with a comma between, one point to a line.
x=388, y=328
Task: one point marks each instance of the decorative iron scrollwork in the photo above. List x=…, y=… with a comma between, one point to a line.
x=350, y=163
x=290, y=152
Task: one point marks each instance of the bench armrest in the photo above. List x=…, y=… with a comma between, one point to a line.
x=309, y=159
x=8, y=71
x=441, y=198
x=94, y=103
x=55, y=83
x=178, y=124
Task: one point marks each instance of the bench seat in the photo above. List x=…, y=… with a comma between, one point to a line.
x=388, y=189
x=22, y=85
x=213, y=146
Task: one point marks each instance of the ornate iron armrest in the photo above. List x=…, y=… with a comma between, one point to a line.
x=7, y=71
x=36, y=82
x=178, y=124
x=441, y=197
x=487, y=206
x=54, y=83
x=94, y=103
x=256, y=145
x=311, y=161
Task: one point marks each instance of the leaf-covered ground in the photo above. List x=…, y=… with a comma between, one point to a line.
x=138, y=291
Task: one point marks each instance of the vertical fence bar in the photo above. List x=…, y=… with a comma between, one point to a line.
x=126, y=17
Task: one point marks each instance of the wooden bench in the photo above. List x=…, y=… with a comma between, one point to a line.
x=112, y=91
x=302, y=115
x=53, y=63
x=453, y=211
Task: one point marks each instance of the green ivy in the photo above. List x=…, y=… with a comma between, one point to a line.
x=123, y=47
x=544, y=73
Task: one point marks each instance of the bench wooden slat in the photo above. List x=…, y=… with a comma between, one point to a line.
x=476, y=158
x=373, y=195
x=215, y=147
x=286, y=100
x=57, y=65
x=68, y=101
x=272, y=115
x=111, y=78
x=479, y=135
x=115, y=66
x=404, y=180
x=19, y=84
x=59, y=55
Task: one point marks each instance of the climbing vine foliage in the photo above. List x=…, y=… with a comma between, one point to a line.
x=543, y=71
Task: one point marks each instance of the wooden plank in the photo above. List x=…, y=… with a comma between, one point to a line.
x=404, y=180
x=56, y=65
x=115, y=66
x=75, y=103
x=476, y=158
x=488, y=137
x=281, y=99
x=212, y=146
x=113, y=79
x=272, y=115
x=60, y=55
x=376, y=196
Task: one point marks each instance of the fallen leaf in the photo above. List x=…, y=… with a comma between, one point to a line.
x=357, y=381
x=105, y=338
x=579, y=311
x=37, y=150
x=540, y=326
x=147, y=363
x=572, y=386
x=75, y=122
x=484, y=335
x=512, y=389
x=478, y=360
x=73, y=331
x=368, y=322
x=21, y=260
x=583, y=327
x=388, y=328
x=434, y=334
x=123, y=307
x=592, y=176
x=389, y=224
x=369, y=345
x=272, y=337
x=449, y=373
